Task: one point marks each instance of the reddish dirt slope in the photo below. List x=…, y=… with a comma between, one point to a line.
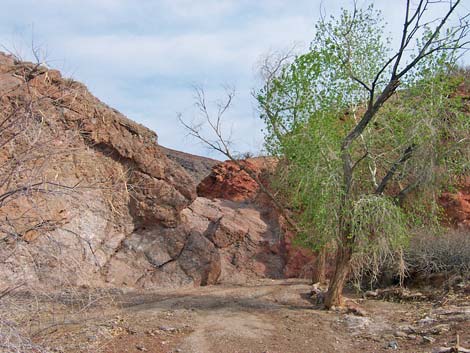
x=457, y=206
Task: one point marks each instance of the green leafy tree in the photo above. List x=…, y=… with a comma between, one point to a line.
x=359, y=127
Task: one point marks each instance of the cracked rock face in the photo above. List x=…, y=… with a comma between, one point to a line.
x=247, y=239
x=170, y=257
x=101, y=176
x=218, y=241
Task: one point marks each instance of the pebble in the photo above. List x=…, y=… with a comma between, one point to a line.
x=426, y=320
x=392, y=345
x=436, y=330
x=427, y=339
x=167, y=328
x=92, y=338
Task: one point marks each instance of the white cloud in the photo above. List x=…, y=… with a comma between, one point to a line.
x=183, y=54
x=186, y=9
x=142, y=56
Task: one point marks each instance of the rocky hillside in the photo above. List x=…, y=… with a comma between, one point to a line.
x=88, y=197
x=196, y=166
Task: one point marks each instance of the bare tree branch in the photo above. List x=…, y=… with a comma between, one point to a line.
x=222, y=145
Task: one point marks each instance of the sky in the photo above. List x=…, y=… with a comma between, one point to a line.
x=144, y=57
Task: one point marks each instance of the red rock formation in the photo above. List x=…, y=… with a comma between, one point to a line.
x=126, y=212
x=247, y=240
x=457, y=206
x=228, y=182
x=131, y=215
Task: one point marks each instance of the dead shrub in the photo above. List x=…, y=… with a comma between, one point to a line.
x=447, y=254
x=429, y=259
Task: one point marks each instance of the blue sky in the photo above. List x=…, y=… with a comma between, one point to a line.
x=143, y=57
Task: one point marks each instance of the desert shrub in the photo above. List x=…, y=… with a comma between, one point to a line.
x=448, y=253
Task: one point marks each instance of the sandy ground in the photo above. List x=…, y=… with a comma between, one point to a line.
x=268, y=316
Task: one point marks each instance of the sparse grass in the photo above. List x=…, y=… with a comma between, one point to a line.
x=13, y=341
x=29, y=319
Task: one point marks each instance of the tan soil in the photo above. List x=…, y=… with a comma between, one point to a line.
x=274, y=316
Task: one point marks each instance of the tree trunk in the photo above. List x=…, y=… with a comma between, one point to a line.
x=334, y=296
x=320, y=267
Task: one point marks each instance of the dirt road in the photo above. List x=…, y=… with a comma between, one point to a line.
x=268, y=316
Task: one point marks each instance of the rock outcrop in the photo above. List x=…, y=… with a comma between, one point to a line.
x=88, y=197
x=246, y=237
x=229, y=181
x=78, y=181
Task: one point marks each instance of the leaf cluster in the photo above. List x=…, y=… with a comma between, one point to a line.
x=416, y=145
